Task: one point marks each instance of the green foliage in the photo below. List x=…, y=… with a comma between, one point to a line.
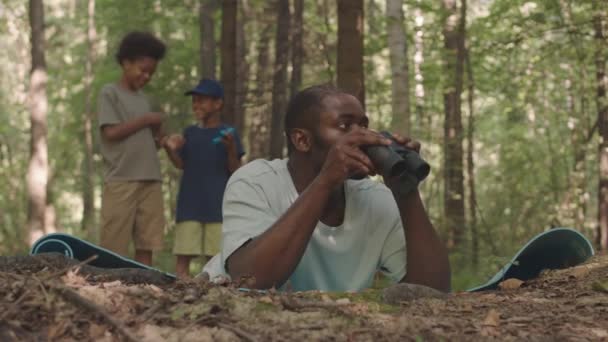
x=601, y=286
x=371, y=297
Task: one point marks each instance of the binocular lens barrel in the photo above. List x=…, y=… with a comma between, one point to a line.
x=395, y=159
x=417, y=165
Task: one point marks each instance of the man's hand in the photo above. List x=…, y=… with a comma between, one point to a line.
x=345, y=159
x=407, y=142
x=401, y=185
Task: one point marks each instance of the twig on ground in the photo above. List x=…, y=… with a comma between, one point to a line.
x=86, y=304
x=16, y=303
x=150, y=312
x=66, y=269
x=42, y=288
x=309, y=327
x=237, y=331
x=204, y=319
x=14, y=275
x=294, y=304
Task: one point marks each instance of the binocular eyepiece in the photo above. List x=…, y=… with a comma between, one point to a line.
x=396, y=162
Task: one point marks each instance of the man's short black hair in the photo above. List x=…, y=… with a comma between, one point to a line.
x=304, y=108
x=138, y=44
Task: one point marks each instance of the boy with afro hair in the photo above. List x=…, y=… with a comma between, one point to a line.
x=132, y=203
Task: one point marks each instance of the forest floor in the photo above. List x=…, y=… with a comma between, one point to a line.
x=61, y=304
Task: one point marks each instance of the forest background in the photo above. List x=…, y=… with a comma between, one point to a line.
x=508, y=98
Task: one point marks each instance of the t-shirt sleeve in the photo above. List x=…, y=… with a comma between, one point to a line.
x=247, y=214
x=393, y=257
x=106, y=109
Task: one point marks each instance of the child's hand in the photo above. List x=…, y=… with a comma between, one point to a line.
x=175, y=142
x=229, y=142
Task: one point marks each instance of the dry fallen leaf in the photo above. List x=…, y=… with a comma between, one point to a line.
x=73, y=279
x=266, y=299
x=491, y=323
x=492, y=319
x=326, y=298
x=510, y=284
x=343, y=301
x=601, y=333
x=96, y=331
x=579, y=272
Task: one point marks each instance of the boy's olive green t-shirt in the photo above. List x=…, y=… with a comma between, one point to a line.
x=135, y=158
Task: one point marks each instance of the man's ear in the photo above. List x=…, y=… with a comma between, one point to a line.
x=301, y=139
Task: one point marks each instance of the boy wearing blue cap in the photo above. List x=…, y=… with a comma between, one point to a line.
x=208, y=152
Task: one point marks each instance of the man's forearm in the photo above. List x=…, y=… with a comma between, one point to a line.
x=427, y=257
x=272, y=257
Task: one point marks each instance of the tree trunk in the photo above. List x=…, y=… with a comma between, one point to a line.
x=471, y=163
x=400, y=89
x=38, y=169
x=242, y=76
x=229, y=67
x=259, y=124
x=418, y=60
x=602, y=121
x=207, y=11
x=279, y=85
x=350, y=48
x=88, y=185
x=453, y=33
x=323, y=10
x=297, y=49
x=573, y=205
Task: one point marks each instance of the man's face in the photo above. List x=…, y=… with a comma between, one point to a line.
x=341, y=114
x=139, y=72
x=203, y=105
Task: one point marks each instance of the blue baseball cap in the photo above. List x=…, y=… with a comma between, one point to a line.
x=207, y=87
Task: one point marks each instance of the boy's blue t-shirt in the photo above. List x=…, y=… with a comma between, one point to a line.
x=205, y=174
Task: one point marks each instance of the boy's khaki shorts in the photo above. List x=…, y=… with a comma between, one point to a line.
x=132, y=210
x=197, y=238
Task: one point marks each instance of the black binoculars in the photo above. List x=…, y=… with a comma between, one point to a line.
x=397, y=163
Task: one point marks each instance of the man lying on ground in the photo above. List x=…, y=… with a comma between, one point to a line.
x=315, y=221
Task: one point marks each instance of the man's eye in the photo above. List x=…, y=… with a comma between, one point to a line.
x=344, y=126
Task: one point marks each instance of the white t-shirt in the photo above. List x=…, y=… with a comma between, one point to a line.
x=343, y=258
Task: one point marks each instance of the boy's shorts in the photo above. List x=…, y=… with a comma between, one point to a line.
x=132, y=210
x=197, y=238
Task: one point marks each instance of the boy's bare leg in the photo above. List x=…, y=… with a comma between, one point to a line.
x=182, y=266
x=143, y=256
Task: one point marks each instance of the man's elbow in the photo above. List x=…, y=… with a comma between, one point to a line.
x=249, y=276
